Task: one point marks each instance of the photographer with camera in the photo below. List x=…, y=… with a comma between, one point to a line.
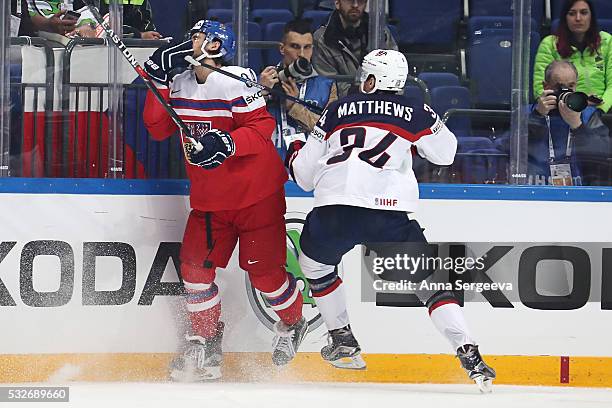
x=568, y=142
x=295, y=76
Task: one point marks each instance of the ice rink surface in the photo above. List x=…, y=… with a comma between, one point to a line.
x=312, y=395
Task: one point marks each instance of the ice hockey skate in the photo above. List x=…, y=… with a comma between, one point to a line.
x=343, y=351
x=476, y=368
x=201, y=360
x=287, y=340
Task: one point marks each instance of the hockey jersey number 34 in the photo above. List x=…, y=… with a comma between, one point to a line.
x=359, y=153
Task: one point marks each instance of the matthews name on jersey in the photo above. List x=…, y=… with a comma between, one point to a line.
x=256, y=170
x=363, y=136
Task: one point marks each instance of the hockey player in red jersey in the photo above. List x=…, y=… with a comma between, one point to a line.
x=357, y=160
x=237, y=193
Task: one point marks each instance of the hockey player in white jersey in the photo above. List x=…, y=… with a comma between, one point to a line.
x=358, y=162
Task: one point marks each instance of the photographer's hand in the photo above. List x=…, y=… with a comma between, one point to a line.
x=546, y=102
x=269, y=77
x=569, y=116
x=290, y=88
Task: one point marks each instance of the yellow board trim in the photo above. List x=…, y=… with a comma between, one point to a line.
x=307, y=367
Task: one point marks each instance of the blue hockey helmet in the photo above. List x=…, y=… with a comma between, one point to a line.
x=215, y=30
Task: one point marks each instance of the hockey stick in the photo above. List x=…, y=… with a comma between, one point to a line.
x=274, y=92
x=116, y=40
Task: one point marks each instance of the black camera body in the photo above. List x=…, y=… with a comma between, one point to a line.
x=299, y=70
x=576, y=101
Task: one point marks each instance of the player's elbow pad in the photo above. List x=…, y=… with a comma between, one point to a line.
x=442, y=148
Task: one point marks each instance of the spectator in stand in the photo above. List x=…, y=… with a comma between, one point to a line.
x=579, y=40
x=21, y=23
x=566, y=147
x=341, y=44
x=137, y=20
x=292, y=118
x=54, y=16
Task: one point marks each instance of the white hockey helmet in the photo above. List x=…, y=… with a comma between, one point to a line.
x=389, y=67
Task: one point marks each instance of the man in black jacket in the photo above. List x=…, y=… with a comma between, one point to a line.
x=341, y=44
x=137, y=19
x=566, y=147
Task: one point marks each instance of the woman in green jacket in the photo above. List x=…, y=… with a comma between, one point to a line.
x=579, y=40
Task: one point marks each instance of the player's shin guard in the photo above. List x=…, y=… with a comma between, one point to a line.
x=286, y=301
x=204, y=308
x=448, y=318
x=343, y=350
x=327, y=291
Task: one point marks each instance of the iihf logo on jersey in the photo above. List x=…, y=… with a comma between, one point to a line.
x=387, y=202
x=294, y=222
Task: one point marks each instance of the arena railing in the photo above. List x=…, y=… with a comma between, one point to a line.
x=27, y=148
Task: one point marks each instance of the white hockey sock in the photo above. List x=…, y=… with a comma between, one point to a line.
x=332, y=307
x=449, y=321
x=328, y=291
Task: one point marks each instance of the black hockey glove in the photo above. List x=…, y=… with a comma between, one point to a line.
x=217, y=145
x=168, y=61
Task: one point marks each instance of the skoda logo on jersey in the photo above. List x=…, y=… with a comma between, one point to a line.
x=294, y=222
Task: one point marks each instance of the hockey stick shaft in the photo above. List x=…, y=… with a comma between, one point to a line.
x=274, y=92
x=116, y=40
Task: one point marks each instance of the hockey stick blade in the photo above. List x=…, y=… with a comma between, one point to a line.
x=116, y=40
x=274, y=92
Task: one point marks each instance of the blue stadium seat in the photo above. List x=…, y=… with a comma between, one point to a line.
x=476, y=162
x=444, y=98
x=170, y=16
x=605, y=24
x=220, y=4
x=273, y=32
x=414, y=93
x=318, y=17
x=266, y=16
x=490, y=65
x=496, y=22
x=427, y=22
x=503, y=8
x=270, y=4
x=222, y=15
x=255, y=54
x=603, y=9
x=436, y=79
x=470, y=143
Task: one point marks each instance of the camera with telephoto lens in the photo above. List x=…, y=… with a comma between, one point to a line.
x=576, y=101
x=300, y=69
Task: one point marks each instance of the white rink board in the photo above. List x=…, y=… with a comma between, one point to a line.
x=144, y=222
